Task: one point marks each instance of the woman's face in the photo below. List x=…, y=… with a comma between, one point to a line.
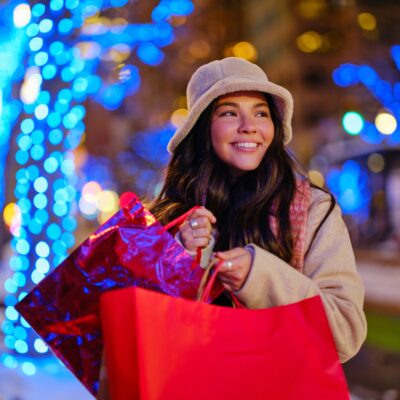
x=241, y=130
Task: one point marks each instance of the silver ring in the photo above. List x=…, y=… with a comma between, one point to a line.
x=229, y=265
x=193, y=223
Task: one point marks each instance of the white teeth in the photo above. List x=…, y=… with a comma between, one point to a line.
x=250, y=145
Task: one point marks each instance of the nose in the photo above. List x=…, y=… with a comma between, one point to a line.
x=247, y=124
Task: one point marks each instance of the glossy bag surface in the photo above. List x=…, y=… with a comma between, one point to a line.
x=130, y=249
x=161, y=348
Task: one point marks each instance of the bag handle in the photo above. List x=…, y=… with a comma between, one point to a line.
x=178, y=221
x=208, y=281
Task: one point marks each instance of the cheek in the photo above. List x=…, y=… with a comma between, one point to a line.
x=268, y=132
x=218, y=137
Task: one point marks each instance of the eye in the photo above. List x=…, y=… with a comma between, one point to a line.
x=264, y=114
x=228, y=113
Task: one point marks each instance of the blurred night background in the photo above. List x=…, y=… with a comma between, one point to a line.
x=92, y=90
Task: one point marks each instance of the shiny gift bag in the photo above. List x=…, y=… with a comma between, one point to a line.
x=130, y=249
x=162, y=348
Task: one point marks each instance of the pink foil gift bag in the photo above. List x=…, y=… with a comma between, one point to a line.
x=130, y=249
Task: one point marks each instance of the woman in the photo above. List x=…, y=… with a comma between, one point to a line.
x=282, y=240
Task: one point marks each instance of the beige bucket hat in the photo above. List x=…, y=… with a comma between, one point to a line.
x=231, y=74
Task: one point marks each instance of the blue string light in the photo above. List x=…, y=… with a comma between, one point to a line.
x=13, y=42
x=45, y=52
x=350, y=183
x=350, y=186
x=388, y=94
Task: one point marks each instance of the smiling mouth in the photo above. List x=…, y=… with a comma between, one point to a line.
x=246, y=145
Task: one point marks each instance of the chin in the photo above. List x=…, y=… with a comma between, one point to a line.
x=238, y=171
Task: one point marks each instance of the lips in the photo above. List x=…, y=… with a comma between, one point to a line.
x=246, y=145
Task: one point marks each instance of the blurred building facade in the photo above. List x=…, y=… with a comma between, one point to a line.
x=300, y=43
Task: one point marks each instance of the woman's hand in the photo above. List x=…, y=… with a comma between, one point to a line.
x=236, y=267
x=196, y=229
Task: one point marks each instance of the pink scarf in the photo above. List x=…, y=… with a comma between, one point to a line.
x=298, y=220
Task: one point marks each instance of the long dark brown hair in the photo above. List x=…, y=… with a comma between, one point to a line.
x=196, y=176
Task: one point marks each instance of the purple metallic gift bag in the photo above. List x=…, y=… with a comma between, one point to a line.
x=131, y=249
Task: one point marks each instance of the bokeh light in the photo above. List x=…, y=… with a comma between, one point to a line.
x=90, y=191
x=150, y=54
x=12, y=215
x=30, y=88
x=311, y=9
x=87, y=208
x=366, y=21
x=22, y=15
x=349, y=184
x=376, y=162
x=178, y=117
x=353, y=122
x=386, y=123
x=199, y=49
x=245, y=50
x=108, y=201
x=309, y=42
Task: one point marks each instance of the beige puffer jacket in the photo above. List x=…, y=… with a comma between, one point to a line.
x=329, y=271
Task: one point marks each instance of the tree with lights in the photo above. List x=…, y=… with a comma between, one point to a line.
x=58, y=55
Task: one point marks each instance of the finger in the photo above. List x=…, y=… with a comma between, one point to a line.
x=186, y=237
x=191, y=242
x=240, y=264
x=201, y=233
x=203, y=212
x=233, y=283
x=207, y=213
x=225, y=281
x=198, y=242
x=193, y=245
x=199, y=222
x=228, y=267
x=227, y=287
x=185, y=231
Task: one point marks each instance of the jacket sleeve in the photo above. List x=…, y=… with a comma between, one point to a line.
x=329, y=271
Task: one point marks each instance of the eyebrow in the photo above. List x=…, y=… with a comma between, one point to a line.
x=236, y=105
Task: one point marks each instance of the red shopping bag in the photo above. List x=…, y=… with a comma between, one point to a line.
x=162, y=348
x=130, y=249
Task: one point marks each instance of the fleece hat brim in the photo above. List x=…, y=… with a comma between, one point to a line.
x=229, y=75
